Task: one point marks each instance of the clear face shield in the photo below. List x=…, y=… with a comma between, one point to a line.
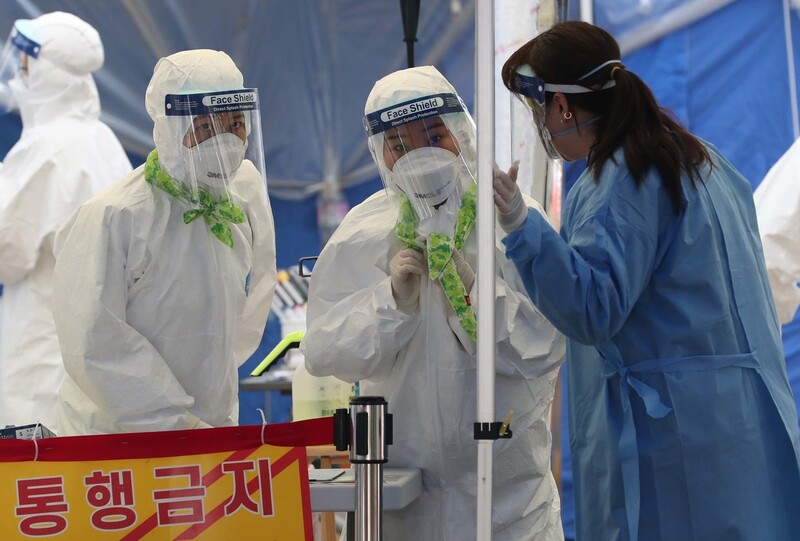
x=21, y=45
x=217, y=141
x=531, y=90
x=420, y=148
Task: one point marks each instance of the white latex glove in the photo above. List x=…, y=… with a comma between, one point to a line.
x=405, y=269
x=464, y=270
x=508, y=199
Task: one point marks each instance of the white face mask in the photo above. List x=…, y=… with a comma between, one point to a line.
x=214, y=161
x=427, y=176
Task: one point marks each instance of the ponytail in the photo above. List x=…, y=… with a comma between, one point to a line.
x=649, y=137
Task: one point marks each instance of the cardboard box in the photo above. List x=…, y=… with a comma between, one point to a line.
x=25, y=432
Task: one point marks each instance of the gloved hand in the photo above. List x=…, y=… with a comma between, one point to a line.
x=464, y=270
x=511, y=208
x=405, y=269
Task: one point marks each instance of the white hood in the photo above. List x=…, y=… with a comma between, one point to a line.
x=60, y=82
x=200, y=70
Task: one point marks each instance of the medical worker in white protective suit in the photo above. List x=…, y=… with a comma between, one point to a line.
x=777, y=201
x=164, y=282
x=389, y=304
x=64, y=156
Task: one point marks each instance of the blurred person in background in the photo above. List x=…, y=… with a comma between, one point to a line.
x=777, y=201
x=64, y=156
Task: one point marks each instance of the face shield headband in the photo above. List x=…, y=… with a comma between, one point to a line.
x=21, y=45
x=24, y=38
x=417, y=153
x=411, y=111
x=532, y=90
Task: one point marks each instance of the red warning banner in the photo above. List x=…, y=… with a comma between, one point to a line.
x=209, y=484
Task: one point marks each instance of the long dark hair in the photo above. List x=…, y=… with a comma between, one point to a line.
x=629, y=114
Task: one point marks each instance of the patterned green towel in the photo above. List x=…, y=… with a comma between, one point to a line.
x=214, y=210
x=440, y=254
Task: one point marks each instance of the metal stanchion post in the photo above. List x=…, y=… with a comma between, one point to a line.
x=370, y=433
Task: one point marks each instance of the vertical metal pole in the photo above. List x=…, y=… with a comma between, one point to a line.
x=368, y=453
x=484, y=86
x=787, y=27
x=587, y=11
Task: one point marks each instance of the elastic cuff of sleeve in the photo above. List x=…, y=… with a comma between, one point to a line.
x=514, y=218
x=512, y=222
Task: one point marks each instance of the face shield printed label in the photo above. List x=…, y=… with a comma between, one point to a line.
x=410, y=111
x=211, y=102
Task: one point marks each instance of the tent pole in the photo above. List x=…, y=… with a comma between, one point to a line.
x=687, y=13
x=410, y=12
x=587, y=11
x=484, y=86
x=787, y=25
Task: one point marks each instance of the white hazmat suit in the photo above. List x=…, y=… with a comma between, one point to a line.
x=154, y=314
x=777, y=201
x=64, y=156
x=425, y=366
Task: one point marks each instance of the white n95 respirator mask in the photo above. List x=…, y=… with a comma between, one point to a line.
x=427, y=176
x=215, y=160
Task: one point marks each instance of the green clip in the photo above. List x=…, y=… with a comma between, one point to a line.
x=290, y=341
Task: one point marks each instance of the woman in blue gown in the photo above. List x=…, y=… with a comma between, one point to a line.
x=682, y=421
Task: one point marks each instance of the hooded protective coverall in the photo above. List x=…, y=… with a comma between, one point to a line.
x=778, y=206
x=64, y=156
x=681, y=420
x=426, y=368
x=155, y=315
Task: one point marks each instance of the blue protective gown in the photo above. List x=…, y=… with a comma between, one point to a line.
x=682, y=421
